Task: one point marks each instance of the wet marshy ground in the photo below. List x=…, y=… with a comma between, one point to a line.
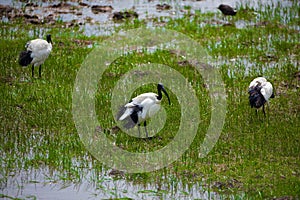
x=100, y=18
x=42, y=155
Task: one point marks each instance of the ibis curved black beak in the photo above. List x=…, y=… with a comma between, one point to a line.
x=163, y=89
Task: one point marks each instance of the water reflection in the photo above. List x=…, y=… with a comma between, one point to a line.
x=45, y=183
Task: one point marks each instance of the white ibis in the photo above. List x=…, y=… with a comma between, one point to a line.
x=260, y=91
x=37, y=51
x=227, y=10
x=142, y=108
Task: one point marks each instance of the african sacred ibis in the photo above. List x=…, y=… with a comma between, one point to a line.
x=37, y=51
x=227, y=10
x=260, y=91
x=141, y=108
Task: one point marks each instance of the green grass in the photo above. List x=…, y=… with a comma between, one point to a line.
x=255, y=157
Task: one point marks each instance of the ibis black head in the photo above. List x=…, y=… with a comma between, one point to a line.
x=160, y=88
x=226, y=9
x=49, y=38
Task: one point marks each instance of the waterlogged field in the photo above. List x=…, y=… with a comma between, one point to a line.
x=255, y=157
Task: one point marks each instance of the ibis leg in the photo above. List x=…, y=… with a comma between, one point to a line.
x=32, y=70
x=264, y=110
x=145, y=125
x=40, y=71
x=139, y=130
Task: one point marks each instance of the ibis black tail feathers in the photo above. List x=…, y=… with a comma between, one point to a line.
x=256, y=99
x=131, y=121
x=129, y=116
x=25, y=58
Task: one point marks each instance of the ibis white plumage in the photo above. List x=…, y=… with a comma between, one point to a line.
x=37, y=51
x=141, y=108
x=260, y=91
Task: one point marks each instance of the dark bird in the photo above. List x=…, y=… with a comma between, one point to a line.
x=142, y=108
x=260, y=91
x=37, y=51
x=227, y=10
